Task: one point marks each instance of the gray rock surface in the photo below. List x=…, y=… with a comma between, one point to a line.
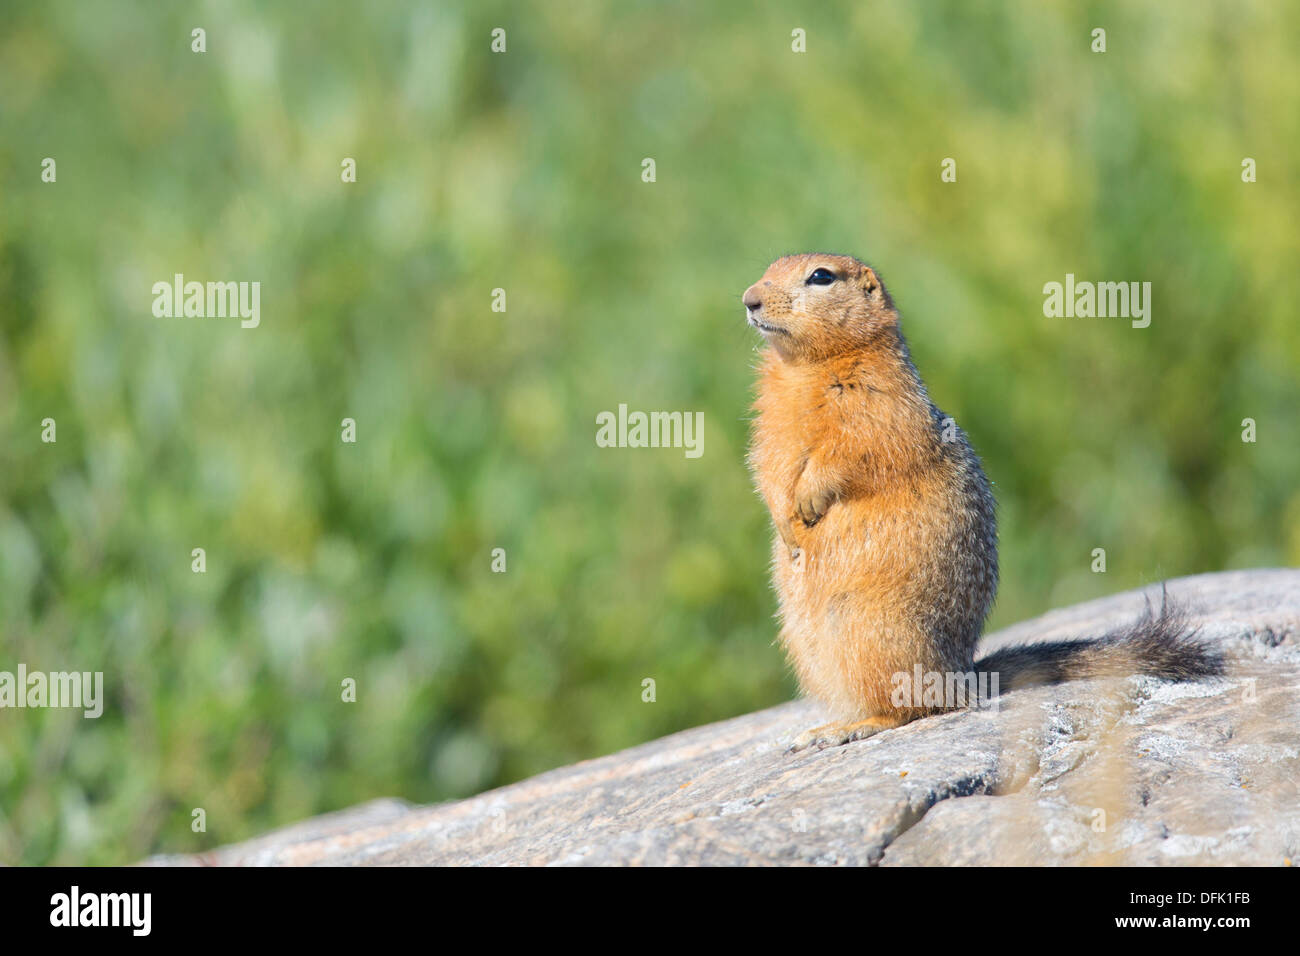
x=1134, y=771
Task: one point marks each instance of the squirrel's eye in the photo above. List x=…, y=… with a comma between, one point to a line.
x=821, y=277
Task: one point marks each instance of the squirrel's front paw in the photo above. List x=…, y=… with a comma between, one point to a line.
x=812, y=504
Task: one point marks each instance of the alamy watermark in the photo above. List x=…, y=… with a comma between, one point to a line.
x=214, y=300
x=78, y=689
x=1084, y=300
x=947, y=689
x=651, y=430
x=130, y=910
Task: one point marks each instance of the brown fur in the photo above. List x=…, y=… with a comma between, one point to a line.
x=885, y=555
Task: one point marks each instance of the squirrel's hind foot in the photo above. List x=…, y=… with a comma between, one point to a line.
x=842, y=732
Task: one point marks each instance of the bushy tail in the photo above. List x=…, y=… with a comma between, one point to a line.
x=1162, y=645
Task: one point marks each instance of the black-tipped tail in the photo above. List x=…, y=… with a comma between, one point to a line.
x=1161, y=645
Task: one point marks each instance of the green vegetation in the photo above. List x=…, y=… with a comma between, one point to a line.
x=476, y=428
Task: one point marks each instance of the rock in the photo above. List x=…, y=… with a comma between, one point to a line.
x=1134, y=772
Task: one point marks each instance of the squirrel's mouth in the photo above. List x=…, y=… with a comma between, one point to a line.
x=765, y=328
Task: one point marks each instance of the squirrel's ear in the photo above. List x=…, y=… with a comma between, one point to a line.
x=869, y=281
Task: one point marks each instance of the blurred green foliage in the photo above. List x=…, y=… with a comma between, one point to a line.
x=522, y=171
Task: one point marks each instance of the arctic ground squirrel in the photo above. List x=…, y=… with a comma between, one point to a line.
x=885, y=556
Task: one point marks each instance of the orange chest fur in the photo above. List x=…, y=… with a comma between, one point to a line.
x=855, y=405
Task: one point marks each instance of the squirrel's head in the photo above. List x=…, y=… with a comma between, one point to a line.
x=812, y=306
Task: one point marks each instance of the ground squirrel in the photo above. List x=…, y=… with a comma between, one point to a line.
x=885, y=558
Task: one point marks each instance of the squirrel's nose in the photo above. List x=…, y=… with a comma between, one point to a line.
x=751, y=298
